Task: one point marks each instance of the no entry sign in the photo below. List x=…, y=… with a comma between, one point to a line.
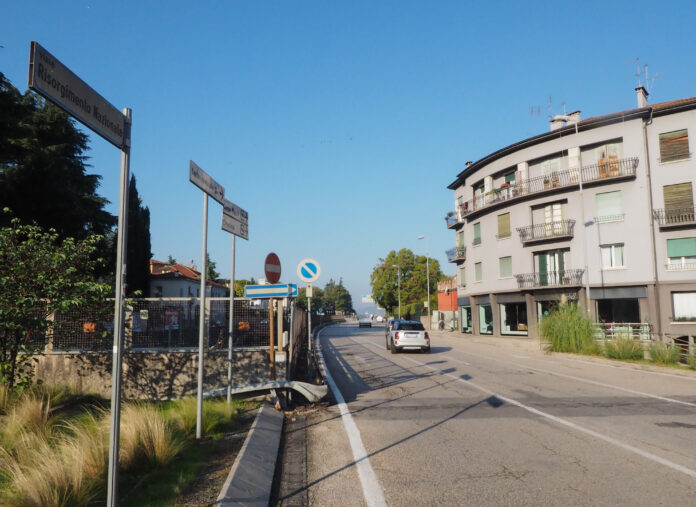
x=272, y=268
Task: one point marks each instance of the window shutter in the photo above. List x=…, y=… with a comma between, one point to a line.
x=609, y=204
x=510, y=177
x=504, y=225
x=477, y=233
x=478, y=271
x=505, y=267
x=683, y=247
x=674, y=145
x=678, y=196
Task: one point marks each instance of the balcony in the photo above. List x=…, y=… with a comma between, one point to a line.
x=562, y=229
x=675, y=217
x=457, y=254
x=603, y=172
x=683, y=264
x=455, y=218
x=565, y=278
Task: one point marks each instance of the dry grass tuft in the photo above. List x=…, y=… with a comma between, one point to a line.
x=145, y=434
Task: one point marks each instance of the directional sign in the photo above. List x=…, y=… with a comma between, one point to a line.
x=205, y=182
x=240, y=229
x=235, y=219
x=308, y=270
x=272, y=268
x=49, y=77
x=280, y=290
x=368, y=299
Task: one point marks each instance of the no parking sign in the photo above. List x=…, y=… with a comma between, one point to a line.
x=308, y=270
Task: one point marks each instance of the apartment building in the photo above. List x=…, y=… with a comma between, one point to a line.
x=599, y=210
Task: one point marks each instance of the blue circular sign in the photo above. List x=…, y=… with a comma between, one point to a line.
x=308, y=270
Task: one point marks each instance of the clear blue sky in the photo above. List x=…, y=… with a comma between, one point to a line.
x=338, y=125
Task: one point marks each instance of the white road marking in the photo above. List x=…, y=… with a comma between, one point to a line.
x=613, y=441
x=580, y=379
x=372, y=491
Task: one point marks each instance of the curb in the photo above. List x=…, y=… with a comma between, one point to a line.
x=251, y=477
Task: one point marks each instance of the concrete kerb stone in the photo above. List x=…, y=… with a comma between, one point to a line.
x=251, y=477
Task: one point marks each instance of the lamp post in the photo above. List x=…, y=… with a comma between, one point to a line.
x=398, y=274
x=427, y=274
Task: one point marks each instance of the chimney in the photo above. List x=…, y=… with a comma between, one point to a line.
x=574, y=117
x=642, y=95
x=557, y=122
x=469, y=162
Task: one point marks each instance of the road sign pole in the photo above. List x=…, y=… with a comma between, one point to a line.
x=230, y=329
x=201, y=319
x=309, y=325
x=121, y=258
x=271, y=330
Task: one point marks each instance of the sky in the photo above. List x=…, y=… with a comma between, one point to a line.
x=338, y=125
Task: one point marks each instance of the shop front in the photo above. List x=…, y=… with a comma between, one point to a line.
x=513, y=315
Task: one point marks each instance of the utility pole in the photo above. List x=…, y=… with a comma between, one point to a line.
x=427, y=274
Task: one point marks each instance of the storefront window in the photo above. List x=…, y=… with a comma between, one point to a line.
x=513, y=318
x=485, y=319
x=467, y=326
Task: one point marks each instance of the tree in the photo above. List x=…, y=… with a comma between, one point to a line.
x=211, y=274
x=337, y=296
x=385, y=281
x=171, y=260
x=239, y=286
x=139, y=254
x=43, y=168
x=40, y=274
x=317, y=298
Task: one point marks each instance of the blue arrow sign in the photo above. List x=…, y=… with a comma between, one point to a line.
x=279, y=290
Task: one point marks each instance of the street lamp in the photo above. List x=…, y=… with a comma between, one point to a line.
x=398, y=274
x=427, y=274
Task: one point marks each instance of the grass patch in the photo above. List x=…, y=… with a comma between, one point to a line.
x=566, y=329
x=691, y=360
x=54, y=445
x=624, y=348
x=662, y=353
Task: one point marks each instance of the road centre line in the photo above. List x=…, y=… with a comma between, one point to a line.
x=613, y=441
x=372, y=491
x=579, y=379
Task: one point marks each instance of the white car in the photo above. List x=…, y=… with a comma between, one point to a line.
x=408, y=335
x=379, y=318
x=364, y=321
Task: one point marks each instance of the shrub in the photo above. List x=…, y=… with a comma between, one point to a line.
x=662, y=353
x=691, y=360
x=565, y=329
x=624, y=348
x=146, y=437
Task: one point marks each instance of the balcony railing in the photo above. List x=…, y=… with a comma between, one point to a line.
x=614, y=330
x=681, y=265
x=675, y=216
x=551, y=230
x=456, y=254
x=455, y=217
x=558, y=179
x=566, y=277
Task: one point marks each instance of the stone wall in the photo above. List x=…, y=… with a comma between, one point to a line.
x=155, y=375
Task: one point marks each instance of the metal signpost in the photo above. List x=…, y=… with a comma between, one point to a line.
x=309, y=271
x=202, y=180
x=53, y=80
x=272, y=270
x=236, y=221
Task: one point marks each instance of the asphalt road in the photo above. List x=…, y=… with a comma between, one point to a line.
x=480, y=422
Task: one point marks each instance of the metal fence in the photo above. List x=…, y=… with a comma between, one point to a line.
x=160, y=323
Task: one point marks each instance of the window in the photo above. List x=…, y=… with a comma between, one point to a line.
x=679, y=200
x=158, y=291
x=462, y=277
x=477, y=233
x=510, y=178
x=513, y=318
x=505, y=267
x=613, y=256
x=674, y=146
x=504, y=225
x=485, y=319
x=684, y=304
x=609, y=206
x=478, y=272
x=460, y=239
x=681, y=253
x=467, y=323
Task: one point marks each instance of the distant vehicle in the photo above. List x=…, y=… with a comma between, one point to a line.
x=407, y=335
x=365, y=320
x=379, y=318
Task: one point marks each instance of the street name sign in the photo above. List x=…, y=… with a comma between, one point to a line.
x=205, y=182
x=235, y=219
x=50, y=78
x=309, y=270
x=272, y=268
x=280, y=290
x=237, y=228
